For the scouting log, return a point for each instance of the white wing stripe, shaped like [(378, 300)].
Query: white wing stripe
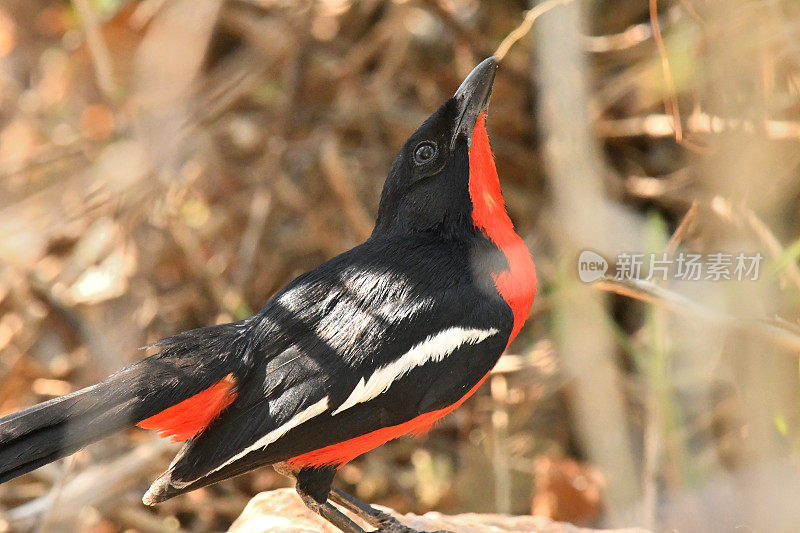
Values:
[(304, 415), (434, 348)]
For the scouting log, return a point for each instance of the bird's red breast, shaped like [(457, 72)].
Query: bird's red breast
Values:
[(517, 284)]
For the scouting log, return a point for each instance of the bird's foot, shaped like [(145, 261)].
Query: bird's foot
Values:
[(394, 526), (397, 527), (384, 522), (389, 524)]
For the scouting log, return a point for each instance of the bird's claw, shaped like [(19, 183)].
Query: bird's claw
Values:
[(390, 524), (398, 529)]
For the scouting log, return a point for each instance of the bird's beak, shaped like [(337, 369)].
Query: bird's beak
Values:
[(472, 98)]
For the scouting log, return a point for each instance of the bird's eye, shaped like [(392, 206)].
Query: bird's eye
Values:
[(424, 152)]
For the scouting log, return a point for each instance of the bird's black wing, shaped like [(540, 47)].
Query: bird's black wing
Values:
[(371, 339)]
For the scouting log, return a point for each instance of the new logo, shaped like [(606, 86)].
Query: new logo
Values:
[(591, 266)]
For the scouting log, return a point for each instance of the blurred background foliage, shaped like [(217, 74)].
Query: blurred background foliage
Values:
[(169, 164)]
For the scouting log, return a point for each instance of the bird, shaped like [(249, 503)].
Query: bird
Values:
[(376, 343)]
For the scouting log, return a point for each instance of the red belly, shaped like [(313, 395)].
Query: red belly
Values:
[(344, 452)]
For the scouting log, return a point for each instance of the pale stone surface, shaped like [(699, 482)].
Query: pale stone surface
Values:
[(281, 511)]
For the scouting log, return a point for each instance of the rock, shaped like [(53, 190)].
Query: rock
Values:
[(281, 511)]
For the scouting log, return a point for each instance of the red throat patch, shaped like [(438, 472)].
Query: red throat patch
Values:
[(187, 419), (517, 284)]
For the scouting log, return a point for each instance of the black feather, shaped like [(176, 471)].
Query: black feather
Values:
[(186, 364)]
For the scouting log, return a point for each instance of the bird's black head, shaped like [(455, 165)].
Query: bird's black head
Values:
[(428, 184)]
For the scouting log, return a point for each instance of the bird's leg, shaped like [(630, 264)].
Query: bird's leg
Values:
[(331, 514), (374, 517), (313, 486)]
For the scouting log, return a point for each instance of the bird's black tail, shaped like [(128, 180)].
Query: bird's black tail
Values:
[(187, 364)]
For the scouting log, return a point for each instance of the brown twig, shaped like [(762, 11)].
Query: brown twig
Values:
[(46, 156), (101, 57), (682, 230), (659, 125), (336, 175), (671, 102), (649, 292), (260, 208), (766, 236), (471, 38), (525, 26)]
